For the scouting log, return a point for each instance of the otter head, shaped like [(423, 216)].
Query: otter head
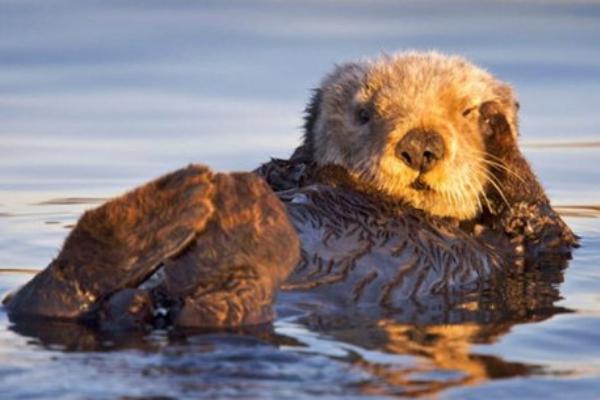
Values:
[(412, 126)]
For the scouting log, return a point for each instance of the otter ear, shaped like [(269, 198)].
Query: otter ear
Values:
[(311, 113)]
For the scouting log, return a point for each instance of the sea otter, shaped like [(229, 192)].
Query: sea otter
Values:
[(424, 142), (409, 183)]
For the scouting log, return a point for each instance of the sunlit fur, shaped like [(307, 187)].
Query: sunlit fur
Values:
[(406, 91)]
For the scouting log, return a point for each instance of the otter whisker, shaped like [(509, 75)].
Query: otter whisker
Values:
[(470, 186), (487, 201), (448, 197), (467, 190), (457, 197), (481, 194), (489, 159), (489, 177), (475, 192), (487, 154), (503, 168), (459, 194), (491, 180)]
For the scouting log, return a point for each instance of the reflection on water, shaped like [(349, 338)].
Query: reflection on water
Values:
[(72, 200), (98, 96), (579, 210), (423, 348), (441, 333), (441, 354), (562, 145)]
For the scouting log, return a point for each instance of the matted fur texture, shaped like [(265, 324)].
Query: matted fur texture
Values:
[(231, 273), (119, 244), (398, 93), (222, 244)]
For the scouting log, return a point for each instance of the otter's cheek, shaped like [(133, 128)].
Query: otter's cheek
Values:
[(395, 177), (362, 156), (394, 165), (439, 177), (331, 146)]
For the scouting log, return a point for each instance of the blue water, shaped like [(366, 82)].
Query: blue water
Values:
[(98, 96)]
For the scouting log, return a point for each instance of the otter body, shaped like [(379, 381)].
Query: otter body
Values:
[(409, 183), (360, 251)]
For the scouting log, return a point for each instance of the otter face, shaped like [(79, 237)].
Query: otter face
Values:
[(410, 126)]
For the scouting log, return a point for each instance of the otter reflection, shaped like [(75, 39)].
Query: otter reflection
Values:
[(446, 359), (439, 332)]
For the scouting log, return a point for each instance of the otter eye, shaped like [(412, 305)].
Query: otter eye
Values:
[(363, 116), (468, 111)]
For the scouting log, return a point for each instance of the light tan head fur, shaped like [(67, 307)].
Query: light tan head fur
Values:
[(397, 93)]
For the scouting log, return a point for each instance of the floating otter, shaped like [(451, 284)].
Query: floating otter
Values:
[(409, 183)]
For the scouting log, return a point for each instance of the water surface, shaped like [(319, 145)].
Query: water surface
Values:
[(98, 96)]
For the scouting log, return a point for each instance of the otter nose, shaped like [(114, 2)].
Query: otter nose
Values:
[(420, 149)]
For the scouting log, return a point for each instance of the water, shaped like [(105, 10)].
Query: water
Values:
[(98, 96)]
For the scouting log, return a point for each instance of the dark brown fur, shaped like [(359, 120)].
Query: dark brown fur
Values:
[(522, 211), (363, 249), (231, 273)]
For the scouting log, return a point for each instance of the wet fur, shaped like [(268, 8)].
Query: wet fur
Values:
[(119, 245), (222, 245)]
